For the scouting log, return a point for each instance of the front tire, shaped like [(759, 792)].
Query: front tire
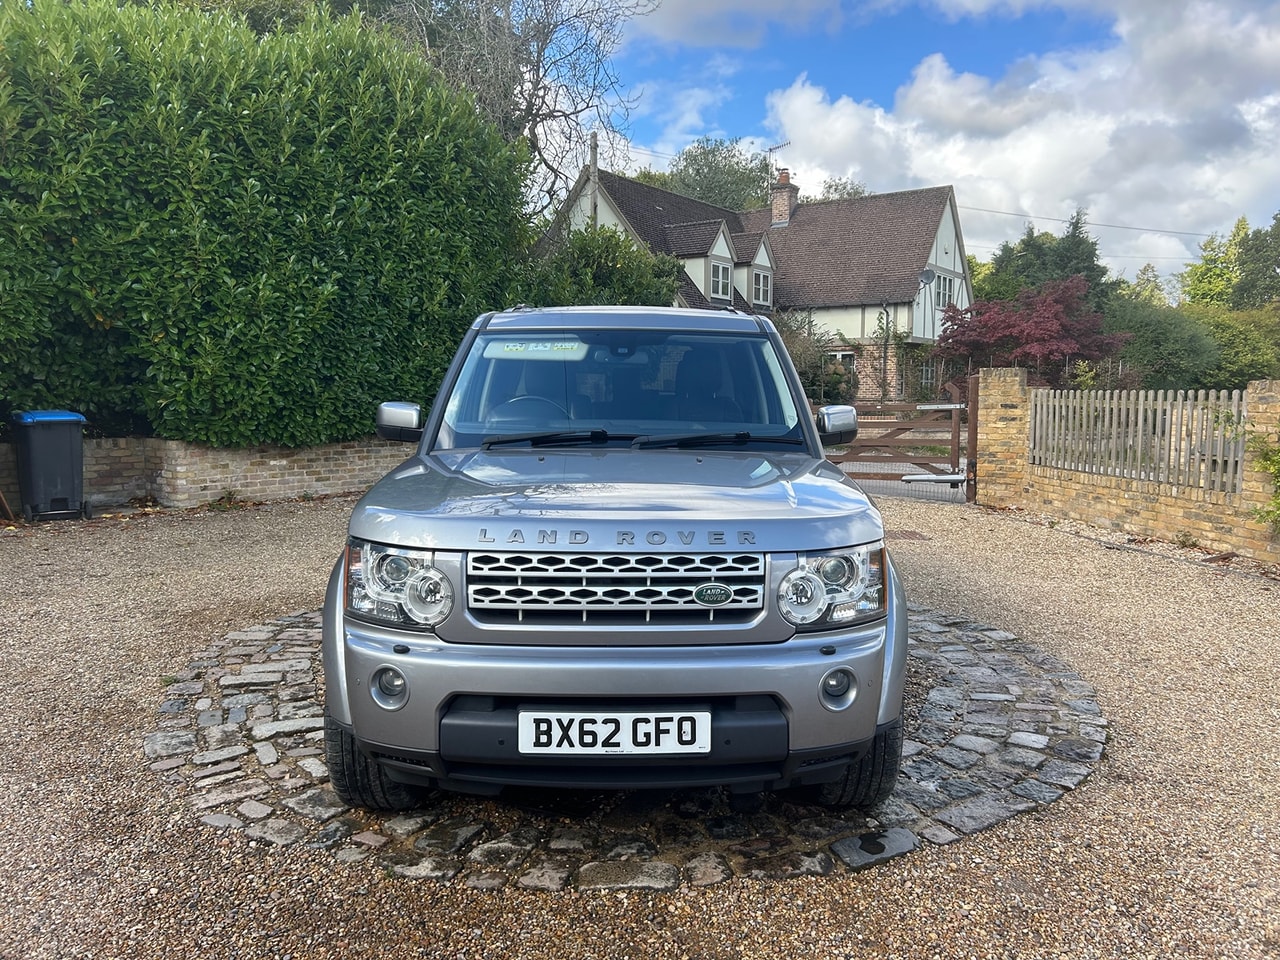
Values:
[(871, 779), (357, 779)]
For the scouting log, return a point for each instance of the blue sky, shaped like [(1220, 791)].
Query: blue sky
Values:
[(1162, 115)]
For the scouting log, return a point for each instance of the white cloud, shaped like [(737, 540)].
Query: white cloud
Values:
[(684, 108), (975, 105), (1176, 126), (1173, 122), (683, 112)]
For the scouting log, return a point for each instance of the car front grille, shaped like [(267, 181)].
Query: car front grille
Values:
[(612, 589)]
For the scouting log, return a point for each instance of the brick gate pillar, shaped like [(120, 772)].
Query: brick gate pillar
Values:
[(1004, 436), (1256, 485)]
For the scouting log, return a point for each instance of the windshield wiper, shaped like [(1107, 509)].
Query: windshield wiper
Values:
[(554, 438), (710, 440)]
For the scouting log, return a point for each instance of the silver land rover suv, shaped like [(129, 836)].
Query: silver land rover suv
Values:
[(617, 559)]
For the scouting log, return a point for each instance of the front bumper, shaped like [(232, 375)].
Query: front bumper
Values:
[(458, 726), (771, 726)]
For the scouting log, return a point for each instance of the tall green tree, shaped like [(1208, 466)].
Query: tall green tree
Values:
[(726, 174), (1014, 267), (1259, 263), (1074, 253), (719, 171), (1040, 257), (602, 265), (837, 188), (979, 273), (1213, 279), (654, 178), (1147, 287)]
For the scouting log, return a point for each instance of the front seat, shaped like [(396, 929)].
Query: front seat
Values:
[(544, 390), (699, 386)]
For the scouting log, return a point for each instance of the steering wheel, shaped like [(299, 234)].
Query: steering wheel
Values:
[(527, 409)]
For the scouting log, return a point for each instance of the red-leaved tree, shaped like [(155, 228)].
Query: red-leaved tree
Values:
[(1046, 330)]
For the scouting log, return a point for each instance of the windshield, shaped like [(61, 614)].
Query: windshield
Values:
[(619, 386)]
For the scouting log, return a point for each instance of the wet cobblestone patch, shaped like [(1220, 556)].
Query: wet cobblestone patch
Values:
[(995, 727)]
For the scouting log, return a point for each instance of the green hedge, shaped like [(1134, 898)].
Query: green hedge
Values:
[(236, 239)]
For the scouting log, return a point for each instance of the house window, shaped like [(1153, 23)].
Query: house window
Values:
[(928, 378), (721, 281), (946, 294), (761, 291)]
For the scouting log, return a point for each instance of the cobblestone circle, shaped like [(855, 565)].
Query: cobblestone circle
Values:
[(995, 728)]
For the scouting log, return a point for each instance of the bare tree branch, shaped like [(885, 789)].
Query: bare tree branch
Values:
[(539, 69)]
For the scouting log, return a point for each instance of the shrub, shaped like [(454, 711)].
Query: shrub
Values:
[(237, 239)]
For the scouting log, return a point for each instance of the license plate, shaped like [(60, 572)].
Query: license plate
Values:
[(587, 734)]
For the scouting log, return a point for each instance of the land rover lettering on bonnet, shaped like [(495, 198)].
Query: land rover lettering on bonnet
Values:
[(655, 538), (616, 558)]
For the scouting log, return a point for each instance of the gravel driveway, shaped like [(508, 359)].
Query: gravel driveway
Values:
[(1171, 849)]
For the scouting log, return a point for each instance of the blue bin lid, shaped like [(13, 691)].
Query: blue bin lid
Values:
[(48, 416)]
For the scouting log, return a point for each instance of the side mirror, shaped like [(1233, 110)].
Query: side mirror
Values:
[(837, 423), (400, 421)]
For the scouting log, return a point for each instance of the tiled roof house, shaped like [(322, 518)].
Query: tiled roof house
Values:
[(848, 262)]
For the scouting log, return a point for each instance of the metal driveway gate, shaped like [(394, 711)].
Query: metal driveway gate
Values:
[(917, 442)]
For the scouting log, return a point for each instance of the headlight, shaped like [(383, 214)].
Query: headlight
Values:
[(400, 587), (827, 590)]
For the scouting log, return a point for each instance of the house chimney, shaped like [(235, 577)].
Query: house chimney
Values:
[(783, 196)]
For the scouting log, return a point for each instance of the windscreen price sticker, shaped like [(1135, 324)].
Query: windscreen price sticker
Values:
[(584, 734), (558, 349)]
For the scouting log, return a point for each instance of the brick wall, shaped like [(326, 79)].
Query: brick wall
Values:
[(175, 474), (1218, 521), (117, 469), (189, 475)]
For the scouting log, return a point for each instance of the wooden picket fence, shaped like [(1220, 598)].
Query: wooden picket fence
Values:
[(1178, 438)]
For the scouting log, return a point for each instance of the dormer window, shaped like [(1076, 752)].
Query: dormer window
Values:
[(721, 281), (761, 288)]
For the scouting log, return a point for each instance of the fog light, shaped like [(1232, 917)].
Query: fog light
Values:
[(836, 683), (838, 688), (390, 689), (391, 682)]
